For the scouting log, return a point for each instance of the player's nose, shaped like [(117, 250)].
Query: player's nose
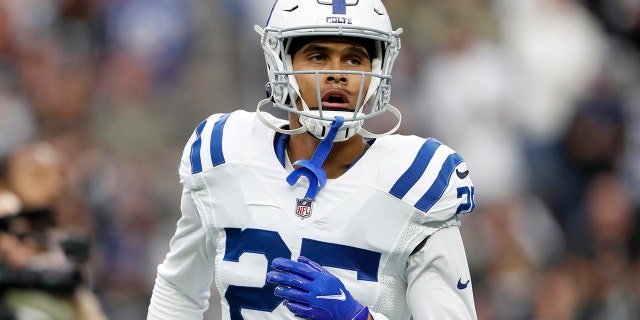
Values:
[(337, 78), (335, 64)]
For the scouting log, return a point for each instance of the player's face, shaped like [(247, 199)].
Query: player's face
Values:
[(337, 91)]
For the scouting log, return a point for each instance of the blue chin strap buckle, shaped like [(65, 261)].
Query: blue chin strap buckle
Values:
[(312, 168)]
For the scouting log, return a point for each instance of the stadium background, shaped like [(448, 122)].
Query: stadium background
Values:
[(541, 97)]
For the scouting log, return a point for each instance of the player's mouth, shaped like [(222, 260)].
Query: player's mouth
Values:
[(336, 100)]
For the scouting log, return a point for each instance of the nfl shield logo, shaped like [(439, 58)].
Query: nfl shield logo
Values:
[(303, 207)]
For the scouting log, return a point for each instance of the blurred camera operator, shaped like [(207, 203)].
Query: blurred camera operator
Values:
[(40, 267)]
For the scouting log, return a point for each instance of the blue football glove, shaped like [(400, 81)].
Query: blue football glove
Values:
[(312, 292)]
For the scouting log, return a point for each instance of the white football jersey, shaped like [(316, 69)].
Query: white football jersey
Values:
[(239, 213)]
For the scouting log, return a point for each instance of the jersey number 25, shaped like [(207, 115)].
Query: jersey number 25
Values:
[(270, 244)]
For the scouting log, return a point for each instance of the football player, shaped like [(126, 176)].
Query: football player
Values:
[(315, 216)]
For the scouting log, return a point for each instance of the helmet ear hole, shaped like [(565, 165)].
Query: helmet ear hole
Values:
[(269, 91)]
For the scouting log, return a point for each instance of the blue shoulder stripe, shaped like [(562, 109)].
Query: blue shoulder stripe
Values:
[(416, 169), (440, 184), (217, 156), (196, 163)]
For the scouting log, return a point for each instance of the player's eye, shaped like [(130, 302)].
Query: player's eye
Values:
[(316, 58), (353, 61)]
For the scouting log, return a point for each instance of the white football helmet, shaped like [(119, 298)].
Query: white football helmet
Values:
[(366, 19)]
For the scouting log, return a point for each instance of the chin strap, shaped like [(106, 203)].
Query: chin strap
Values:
[(312, 168), (266, 122), (393, 110)]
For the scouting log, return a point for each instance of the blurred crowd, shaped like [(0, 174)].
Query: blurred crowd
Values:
[(541, 97)]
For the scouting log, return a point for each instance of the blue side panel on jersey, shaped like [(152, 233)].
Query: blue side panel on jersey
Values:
[(339, 6), (415, 170), (196, 164), (440, 184), (217, 156)]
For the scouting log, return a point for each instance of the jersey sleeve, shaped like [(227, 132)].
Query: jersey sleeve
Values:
[(182, 286), (432, 178), (197, 152), (439, 283), (184, 278), (457, 195)]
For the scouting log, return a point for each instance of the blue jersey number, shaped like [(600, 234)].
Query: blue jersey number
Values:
[(269, 243), (469, 194)]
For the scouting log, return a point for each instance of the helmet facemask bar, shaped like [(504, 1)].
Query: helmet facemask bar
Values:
[(358, 113)]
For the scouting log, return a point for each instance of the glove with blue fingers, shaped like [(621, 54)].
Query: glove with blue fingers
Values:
[(311, 292)]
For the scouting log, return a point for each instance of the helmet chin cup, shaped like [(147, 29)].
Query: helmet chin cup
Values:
[(320, 128)]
